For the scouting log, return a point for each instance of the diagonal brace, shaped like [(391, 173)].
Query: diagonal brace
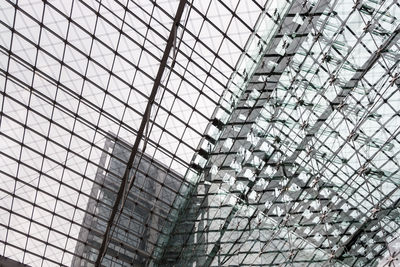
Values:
[(124, 188)]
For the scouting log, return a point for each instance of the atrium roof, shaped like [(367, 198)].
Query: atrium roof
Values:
[(282, 117)]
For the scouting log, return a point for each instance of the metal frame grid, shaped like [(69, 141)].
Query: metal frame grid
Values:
[(282, 117), (302, 167), (73, 71)]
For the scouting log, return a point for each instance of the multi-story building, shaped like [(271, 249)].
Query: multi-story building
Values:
[(143, 216)]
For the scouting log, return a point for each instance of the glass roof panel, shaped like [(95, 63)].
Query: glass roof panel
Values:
[(203, 133)]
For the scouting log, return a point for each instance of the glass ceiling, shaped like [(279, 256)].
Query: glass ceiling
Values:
[(282, 117)]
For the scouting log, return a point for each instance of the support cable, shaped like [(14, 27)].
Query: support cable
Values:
[(124, 188)]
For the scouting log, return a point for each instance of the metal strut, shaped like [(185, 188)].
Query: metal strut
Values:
[(124, 183)]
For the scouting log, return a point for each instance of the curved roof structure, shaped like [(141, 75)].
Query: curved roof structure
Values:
[(238, 133)]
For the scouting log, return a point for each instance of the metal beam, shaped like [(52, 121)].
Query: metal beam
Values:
[(124, 188)]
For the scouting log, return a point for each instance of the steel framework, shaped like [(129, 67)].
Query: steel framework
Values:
[(281, 117)]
